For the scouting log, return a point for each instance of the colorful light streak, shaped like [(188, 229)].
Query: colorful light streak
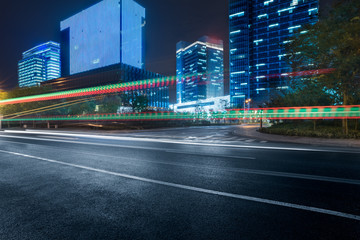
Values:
[(133, 86), (329, 112), (51, 107), (301, 73), (121, 87)]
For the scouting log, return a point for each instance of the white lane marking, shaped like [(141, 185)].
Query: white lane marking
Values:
[(126, 146), (240, 170), (206, 138), (210, 155), (296, 176), (83, 143), (197, 189), (119, 146), (64, 138), (173, 141)]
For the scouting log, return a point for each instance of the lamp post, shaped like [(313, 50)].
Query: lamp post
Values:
[(2, 96), (247, 101)]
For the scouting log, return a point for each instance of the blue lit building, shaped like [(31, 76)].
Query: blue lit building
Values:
[(107, 33), (259, 30), (199, 70), (39, 64)]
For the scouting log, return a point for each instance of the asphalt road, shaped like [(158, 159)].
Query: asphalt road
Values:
[(193, 183)]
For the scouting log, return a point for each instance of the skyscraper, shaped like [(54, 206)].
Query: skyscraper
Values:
[(259, 31), (109, 32), (199, 70), (39, 64)]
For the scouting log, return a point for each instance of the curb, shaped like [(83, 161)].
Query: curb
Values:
[(254, 133)]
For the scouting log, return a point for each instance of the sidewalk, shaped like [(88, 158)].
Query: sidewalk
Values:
[(251, 131)]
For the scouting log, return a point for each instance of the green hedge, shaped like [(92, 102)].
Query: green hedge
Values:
[(324, 129)]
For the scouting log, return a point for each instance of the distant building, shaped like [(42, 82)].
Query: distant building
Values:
[(259, 30), (118, 73), (206, 105), (39, 64), (199, 70), (109, 32)]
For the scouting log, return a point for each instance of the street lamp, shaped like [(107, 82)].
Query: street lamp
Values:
[(2, 96), (247, 101)]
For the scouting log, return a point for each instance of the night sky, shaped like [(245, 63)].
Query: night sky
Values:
[(25, 24)]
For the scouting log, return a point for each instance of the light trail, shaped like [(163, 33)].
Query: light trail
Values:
[(137, 85), (292, 113), (301, 73), (51, 107), (329, 112), (121, 87)]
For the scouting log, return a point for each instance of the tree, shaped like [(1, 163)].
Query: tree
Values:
[(13, 109), (82, 107), (110, 103), (138, 102), (38, 108), (301, 93), (2, 96), (332, 43)]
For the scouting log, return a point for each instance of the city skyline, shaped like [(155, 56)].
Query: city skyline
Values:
[(161, 17)]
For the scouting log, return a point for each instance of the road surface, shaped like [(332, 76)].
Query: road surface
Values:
[(184, 183)]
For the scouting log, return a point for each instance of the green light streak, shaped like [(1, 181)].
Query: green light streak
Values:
[(286, 113), (90, 90)]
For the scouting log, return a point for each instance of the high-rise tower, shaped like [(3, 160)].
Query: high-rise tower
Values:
[(199, 70), (259, 31), (39, 64)]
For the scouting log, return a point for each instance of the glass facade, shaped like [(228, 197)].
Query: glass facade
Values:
[(259, 30), (109, 32), (39, 64), (199, 70)]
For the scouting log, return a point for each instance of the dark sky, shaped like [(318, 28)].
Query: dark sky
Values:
[(27, 23)]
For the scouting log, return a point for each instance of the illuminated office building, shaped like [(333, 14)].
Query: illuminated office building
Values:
[(199, 70), (259, 30), (107, 33), (39, 64)]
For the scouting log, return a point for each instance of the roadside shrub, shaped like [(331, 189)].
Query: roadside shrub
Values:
[(324, 129)]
